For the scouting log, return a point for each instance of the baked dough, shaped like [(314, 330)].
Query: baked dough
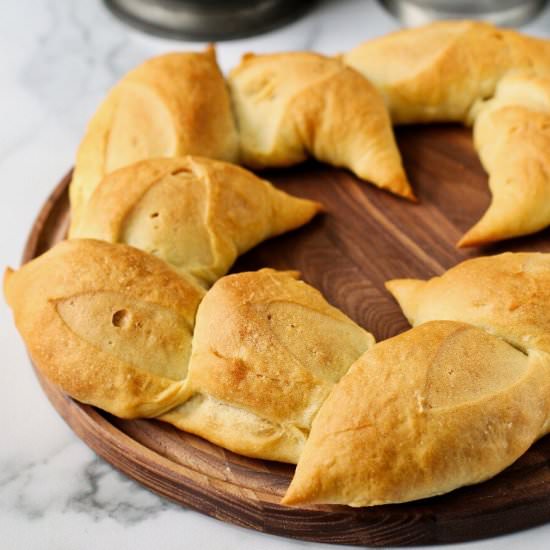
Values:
[(267, 350), (196, 214), (292, 105), (171, 105), (507, 295), (475, 73), (442, 71), (435, 408), (262, 365), (512, 136), (108, 323)]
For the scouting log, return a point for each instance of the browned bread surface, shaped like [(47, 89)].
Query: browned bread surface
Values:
[(292, 105), (195, 213), (440, 406), (172, 105), (475, 73), (507, 295), (267, 350), (108, 323)]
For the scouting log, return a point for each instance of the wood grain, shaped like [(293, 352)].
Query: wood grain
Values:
[(366, 237)]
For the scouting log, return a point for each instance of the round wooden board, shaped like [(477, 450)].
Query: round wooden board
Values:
[(366, 237)]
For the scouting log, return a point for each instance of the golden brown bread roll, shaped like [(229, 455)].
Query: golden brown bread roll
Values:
[(512, 136), (196, 214), (108, 323), (441, 71), (267, 350), (435, 72), (475, 73), (292, 105), (171, 105), (440, 406), (507, 295)]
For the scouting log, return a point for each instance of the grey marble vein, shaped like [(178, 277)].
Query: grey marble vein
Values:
[(75, 480)]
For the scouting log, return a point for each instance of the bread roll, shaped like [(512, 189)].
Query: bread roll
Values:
[(293, 105), (267, 350), (507, 295), (435, 408), (196, 214), (475, 73), (441, 71), (108, 323), (171, 105), (512, 135)]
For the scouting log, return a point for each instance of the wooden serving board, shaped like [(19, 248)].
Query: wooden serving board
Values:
[(366, 237)]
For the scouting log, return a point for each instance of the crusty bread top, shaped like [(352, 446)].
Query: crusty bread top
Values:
[(171, 105), (195, 213), (512, 136), (475, 73), (271, 347), (291, 105), (508, 295), (108, 323), (437, 407), (439, 72)]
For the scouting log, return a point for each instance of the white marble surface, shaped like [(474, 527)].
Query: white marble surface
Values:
[(57, 59)]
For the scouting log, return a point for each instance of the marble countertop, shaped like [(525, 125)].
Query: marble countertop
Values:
[(57, 60)]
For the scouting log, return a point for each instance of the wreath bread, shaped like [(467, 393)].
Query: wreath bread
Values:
[(135, 315)]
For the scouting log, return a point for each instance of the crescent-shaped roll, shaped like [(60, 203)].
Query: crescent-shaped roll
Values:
[(475, 73), (512, 136), (108, 323), (267, 349), (172, 105), (507, 295), (441, 71), (495, 79), (292, 105), (438, 407), (196, 214)]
